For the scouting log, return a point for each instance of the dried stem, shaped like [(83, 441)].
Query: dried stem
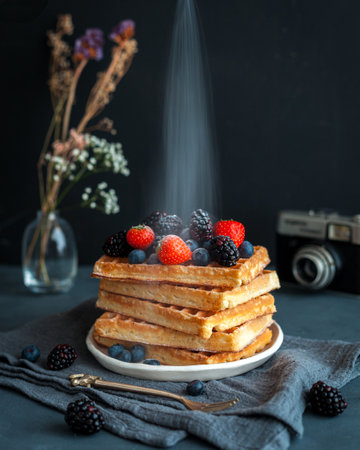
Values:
[(71, 98)]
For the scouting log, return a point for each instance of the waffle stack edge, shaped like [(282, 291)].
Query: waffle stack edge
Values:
[(187, 314)]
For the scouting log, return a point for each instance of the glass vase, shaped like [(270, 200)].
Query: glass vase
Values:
[(49, 254)]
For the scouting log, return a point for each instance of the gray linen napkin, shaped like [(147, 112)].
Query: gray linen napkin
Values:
[(272, 397)]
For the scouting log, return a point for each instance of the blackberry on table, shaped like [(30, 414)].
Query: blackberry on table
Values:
[(223, 250), (201, 226), (326, 400), (116, 245), (172, 224), (83, 416), (153, 219), (61, 357)]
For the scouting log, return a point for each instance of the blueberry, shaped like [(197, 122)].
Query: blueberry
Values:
[(246, 250), (201, 257), (114, 350), (206, 244), (153, 259), (124, 356), (195, 387), (137, 353), (151, 362), (136, 257), (193, 245), (185, 234), (31, 353)]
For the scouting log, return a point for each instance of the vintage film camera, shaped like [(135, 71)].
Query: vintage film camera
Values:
[(319, 250)]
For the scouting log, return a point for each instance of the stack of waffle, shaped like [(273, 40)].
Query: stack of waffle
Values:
[(186, 314)]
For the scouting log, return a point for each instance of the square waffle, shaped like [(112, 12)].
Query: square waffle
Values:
[(117, 326), (187, 320), (181, 357), (199, 297), (215, 275)]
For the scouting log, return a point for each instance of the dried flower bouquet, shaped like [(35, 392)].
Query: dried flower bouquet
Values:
[(71, 154)]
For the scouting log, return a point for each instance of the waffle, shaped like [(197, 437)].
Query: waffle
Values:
[(212, 275), (187, 320), (181, 357), (117, 326), (210, 299)]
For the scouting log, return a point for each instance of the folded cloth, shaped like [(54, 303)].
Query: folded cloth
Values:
[(269, 412)]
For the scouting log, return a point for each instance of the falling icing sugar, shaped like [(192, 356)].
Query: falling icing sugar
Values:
[(188, 142)]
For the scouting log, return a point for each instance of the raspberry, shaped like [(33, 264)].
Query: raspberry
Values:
[(224, 251), (326, 400), (116, 245), (61, 356), (83, 416), (201, 226)]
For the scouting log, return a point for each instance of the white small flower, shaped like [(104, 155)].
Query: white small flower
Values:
[(93, 205), (71, 177), (88, 190), (85, 197), (72, 166), (92, 160), (90, 167), (76, 152), (56, 177), (102, 185)]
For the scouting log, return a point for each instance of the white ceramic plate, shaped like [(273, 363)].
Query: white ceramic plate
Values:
[(202, 372)]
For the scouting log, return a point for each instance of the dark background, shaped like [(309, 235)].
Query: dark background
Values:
[(285, 80)]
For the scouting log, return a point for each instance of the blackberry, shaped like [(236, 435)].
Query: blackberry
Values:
[(201, 226), (83, 416), (61, 357), (116, 245), (326, 400), (153, 219), (153, 246), (169, 225), (224, 251)]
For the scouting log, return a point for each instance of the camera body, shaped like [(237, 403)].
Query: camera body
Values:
[(319, 250)]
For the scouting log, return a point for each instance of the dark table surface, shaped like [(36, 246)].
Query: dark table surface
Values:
[(25, 424)]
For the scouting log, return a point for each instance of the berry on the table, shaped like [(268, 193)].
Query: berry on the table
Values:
[(124, 356), (195, 387), (61, 357), (172, 224), (137, 353), (83, 416), (136, 257), (152, 362), (201, 257), (326, 400), (193, 245), (153, 219), (153, 259), (235, 230), (246, 250), (116, 245), (185, 234), (201, 225), (31, 353), (140, 237), (224, 251), (173, 250), (115, 349)]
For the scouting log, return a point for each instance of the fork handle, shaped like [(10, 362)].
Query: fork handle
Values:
[(138, 389)]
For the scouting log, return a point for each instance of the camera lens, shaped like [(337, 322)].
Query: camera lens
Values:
[(313, 266)]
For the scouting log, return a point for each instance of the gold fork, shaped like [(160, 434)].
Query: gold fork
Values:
[(81, 379)]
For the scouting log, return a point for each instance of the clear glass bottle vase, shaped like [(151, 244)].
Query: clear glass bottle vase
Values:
[(49, 254)]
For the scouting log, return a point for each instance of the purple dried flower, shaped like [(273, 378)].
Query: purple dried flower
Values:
[(123, 31), (89, 46)]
